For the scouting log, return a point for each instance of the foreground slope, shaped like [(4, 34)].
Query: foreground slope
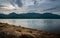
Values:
[(12, 31)]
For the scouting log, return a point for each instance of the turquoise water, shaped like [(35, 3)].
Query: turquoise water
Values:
[(50, 25)]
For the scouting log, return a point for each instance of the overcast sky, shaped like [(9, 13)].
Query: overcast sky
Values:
[(24, 6)]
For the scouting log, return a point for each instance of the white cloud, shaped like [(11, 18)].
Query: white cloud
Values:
[(6, 6), (34, 5), (47, 6)]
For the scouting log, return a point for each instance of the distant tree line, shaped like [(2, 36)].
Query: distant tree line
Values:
[(30, 16)]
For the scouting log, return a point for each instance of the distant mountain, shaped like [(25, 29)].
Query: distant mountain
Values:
[(31, 16)]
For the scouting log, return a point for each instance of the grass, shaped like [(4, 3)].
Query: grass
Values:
[(12, 31)]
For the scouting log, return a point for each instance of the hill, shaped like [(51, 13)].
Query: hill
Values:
[(30, 16), (12, 31)]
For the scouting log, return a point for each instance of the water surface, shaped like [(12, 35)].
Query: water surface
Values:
[(50, 25)]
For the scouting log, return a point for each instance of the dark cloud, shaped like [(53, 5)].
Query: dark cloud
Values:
[(52, 0), (16, 2), (39, 5), (19, 3), (2, 5), (54, 8)]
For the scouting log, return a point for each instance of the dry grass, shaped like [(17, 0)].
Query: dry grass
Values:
[(12, 31)]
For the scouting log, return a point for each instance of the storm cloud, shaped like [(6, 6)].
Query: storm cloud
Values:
[(39, 6)]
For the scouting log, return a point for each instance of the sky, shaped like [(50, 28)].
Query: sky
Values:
[(25, 6)]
